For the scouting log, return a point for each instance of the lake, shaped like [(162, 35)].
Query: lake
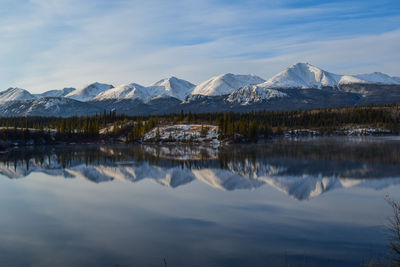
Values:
[(306, 202)]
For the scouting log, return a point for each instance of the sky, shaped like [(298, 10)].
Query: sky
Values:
[(52, 44)]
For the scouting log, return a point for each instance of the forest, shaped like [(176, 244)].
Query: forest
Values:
[(239, 127)]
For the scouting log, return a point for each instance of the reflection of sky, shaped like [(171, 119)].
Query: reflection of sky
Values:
[(49, 221)]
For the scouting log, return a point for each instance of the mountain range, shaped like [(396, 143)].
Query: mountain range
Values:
[(300, 86), (299, 178)]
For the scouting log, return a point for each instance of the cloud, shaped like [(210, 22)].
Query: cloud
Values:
[(71, 43)]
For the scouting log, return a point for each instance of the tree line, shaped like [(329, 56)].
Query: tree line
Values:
[(236, 126)]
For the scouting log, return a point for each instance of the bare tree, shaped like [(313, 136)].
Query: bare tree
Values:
[(394, 231)]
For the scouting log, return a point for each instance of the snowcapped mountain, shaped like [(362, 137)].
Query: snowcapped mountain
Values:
[(288, 90), (14, 94), (169, 87), (48, 106), (127, 91), (56, 93), (254, 94), (304, 75), (174, 87), (225, 84), (378, 77), (89, 92)]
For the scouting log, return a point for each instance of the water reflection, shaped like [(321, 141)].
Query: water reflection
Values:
[(301, 169), (87, 220)]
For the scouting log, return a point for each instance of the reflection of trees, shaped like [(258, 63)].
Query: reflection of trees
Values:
[(329, 157), (300, 169), (108, 155), (338, 150)]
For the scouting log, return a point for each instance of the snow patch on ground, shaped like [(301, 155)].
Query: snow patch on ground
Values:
[(183, 133)]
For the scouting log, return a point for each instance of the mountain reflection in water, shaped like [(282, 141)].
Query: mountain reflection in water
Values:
[(301, 169)]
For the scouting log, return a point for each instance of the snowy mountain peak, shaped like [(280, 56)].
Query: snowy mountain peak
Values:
[(302, 65), (173, 87), (15, 93), (56, 93), (234, 89), (225, 84), (126, 91), (170, 87), (303, 75), (89, 92), (378, 77)]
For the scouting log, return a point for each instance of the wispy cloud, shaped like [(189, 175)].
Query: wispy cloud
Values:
[(49, 44)]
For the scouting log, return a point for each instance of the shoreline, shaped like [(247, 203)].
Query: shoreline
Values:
[(222, 143)]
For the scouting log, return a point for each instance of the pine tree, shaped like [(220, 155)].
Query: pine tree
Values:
[(158, 133), (203, 131)]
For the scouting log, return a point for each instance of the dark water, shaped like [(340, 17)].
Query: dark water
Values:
[(288, 203)]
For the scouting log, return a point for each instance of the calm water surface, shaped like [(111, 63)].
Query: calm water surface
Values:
[(299, 203)]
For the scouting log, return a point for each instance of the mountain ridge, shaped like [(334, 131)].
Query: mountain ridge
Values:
[(300, 86), (225, 84), (90, 91)]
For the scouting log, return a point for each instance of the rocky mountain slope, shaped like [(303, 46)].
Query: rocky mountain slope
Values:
[(15, 94), (56, 93), (300, 86)]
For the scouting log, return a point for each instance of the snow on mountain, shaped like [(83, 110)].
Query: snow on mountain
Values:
[(225, 84), (48, 106), (174, 87), (127, 91), (13, 94), (253, 94), (378, 77), (347, 79), (56, 93), (89, 92), (48, 102), (229, 88), (304, 75)]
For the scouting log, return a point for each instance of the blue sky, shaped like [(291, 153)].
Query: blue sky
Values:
[(50, 44)]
